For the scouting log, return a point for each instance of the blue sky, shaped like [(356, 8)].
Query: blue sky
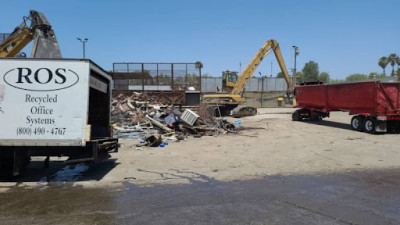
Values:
[(342, 36)]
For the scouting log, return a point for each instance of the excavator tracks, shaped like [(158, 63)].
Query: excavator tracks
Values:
[(243, 111), (232, 110)]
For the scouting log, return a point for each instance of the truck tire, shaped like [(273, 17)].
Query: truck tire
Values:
[(369, 125), (357, 123), (296, 115), (316, 117)]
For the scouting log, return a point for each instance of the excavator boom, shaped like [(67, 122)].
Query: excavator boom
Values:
[(228, 102), (270, 45)]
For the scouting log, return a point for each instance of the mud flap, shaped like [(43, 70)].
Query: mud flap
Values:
[(381, 126)]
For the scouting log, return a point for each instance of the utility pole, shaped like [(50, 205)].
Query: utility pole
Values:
[(271, 68), (296, 52), (83, 45)]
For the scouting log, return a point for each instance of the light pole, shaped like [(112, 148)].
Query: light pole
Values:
[(271, 68), (296, 52), (83, 44)]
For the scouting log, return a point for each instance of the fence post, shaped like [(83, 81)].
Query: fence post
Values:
[(200, 78), (142, 77), (186, 77), (262, 91), (158, 84), (172, 76), (128, 80)]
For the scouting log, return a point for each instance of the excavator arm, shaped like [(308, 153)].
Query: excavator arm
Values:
[(17, 40), (269, 46), (233, 103), (45, 43)]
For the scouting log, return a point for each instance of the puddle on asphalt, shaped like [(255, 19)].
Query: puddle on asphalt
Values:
[(67, 174), (371, 197)]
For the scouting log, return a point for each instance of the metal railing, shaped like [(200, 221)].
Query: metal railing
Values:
[(157, 76)]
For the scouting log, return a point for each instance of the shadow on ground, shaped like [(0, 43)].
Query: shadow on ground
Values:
[(333, 124), (345, 126), (60, 172), (363, 197)]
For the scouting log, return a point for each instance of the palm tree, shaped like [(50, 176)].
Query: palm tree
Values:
[(398, 67), (393, 59), (198, 65), (383, 63)]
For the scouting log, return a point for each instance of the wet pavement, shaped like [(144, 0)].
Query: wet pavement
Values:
[(364, 197)]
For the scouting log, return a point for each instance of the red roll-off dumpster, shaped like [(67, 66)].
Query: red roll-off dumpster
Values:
[(374, 104)]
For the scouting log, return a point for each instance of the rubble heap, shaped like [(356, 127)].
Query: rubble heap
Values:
[(155, 120)]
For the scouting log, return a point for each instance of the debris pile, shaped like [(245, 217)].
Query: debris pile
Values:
[(143, 117)]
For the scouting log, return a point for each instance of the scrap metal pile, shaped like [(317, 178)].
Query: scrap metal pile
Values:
[(143, 116)]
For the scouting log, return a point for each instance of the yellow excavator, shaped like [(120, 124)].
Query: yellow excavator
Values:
[(45, 43), (232, 102)]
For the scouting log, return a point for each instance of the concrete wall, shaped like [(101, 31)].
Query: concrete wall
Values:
[(211, 84), (264, 99), (259, 92)]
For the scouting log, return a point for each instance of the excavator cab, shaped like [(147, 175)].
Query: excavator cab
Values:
[(229, 79)]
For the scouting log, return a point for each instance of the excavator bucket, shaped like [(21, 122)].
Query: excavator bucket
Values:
[(45, 43)]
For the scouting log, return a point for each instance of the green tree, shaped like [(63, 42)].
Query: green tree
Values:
[(383, 61), (374, 75), (393, 59), (335, 81), (280, 75), (299, 77), (206, 75), (164, 79), (356, 77), (324, 77), (198, 65), (310, 71), (398, 72), (192, 79)]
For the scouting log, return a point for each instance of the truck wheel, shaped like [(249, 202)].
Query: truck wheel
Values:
[(316, 117), (369, 125), (296, 115), (357, 123)]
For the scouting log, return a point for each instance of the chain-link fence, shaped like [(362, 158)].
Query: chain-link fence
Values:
[(265, 84), (157, 76)]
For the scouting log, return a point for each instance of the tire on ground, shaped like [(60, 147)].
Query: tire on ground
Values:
[(296, 115), (357, 123), (316, 117), (369, 125)]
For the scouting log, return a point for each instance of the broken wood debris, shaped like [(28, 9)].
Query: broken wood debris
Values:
[(136, 112)]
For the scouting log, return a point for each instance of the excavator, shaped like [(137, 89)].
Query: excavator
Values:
[(45, 44), (232, 102)]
